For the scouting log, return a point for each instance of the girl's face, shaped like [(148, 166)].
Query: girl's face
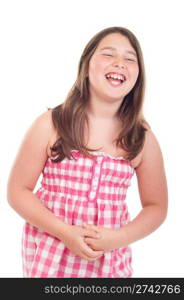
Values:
[(113, 68)]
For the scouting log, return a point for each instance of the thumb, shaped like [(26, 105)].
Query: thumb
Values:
[(91, 233)]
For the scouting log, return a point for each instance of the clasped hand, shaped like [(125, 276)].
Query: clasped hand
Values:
[(108, 240), (90, 241)]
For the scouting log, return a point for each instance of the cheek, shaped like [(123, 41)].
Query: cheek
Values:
[(134, 73), (97, 67)]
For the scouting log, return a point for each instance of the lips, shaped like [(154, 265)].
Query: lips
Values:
[(115, 79), (113, 76)]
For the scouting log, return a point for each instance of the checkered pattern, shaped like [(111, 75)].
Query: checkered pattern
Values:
[(80, 190)]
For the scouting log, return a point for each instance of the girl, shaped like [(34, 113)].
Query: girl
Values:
[(88, 148)]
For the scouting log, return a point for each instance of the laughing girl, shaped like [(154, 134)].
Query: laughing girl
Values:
[(87, 149)]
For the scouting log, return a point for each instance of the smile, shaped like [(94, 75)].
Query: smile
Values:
[(115, 79)]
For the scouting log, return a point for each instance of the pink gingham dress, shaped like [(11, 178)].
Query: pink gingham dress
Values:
[(80, 190)]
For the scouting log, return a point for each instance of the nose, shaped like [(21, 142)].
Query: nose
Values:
[(119, 62)]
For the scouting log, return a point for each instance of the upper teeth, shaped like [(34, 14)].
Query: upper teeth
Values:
[(116, 76)]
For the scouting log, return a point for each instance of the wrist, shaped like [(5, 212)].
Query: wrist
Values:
[(61, 229), (122, 237)]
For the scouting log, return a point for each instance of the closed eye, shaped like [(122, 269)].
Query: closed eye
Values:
[(130, 59), (107, 54)]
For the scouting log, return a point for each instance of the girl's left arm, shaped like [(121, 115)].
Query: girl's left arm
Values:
[(153, 193)]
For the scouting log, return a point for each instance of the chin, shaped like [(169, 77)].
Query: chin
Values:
[(111, 98)]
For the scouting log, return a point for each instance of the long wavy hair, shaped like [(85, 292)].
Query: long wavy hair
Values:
[(70, 118)]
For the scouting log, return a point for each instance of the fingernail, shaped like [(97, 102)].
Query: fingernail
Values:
[(98, 235)]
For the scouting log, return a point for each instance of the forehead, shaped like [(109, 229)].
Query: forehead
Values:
[(115, 40)]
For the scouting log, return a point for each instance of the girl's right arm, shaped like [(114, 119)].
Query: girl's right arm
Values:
[(24, 174)]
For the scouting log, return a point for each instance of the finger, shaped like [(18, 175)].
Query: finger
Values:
[(90, 258), (94, 257), (91, 226), (88, 241), (92, 245), (87, 226), (92, 234), (91, 253)]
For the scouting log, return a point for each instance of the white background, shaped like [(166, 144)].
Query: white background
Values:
[(41, 43)]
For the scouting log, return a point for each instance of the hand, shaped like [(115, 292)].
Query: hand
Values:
[(110, 238), (74, 239)]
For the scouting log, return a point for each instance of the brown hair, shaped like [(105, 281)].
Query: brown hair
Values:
[(70, 118)]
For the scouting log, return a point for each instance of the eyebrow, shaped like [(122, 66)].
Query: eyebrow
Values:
[(114, 49)]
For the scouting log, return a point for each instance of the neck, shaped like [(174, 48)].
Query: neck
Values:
[(103, 109)]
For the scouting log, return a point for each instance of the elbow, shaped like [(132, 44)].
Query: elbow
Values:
[(162, 210), (165, 209), (10, 192), (16, 193), (163, 216), (13, 193), (163, 213), (157, 213)]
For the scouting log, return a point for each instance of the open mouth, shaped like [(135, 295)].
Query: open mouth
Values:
[(115, 79)]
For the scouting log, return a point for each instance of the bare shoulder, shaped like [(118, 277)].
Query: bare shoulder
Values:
[(38, 136), (44, 121), (53, 135), (32, 154), (44, 124), (151, 154), (151, 148)]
